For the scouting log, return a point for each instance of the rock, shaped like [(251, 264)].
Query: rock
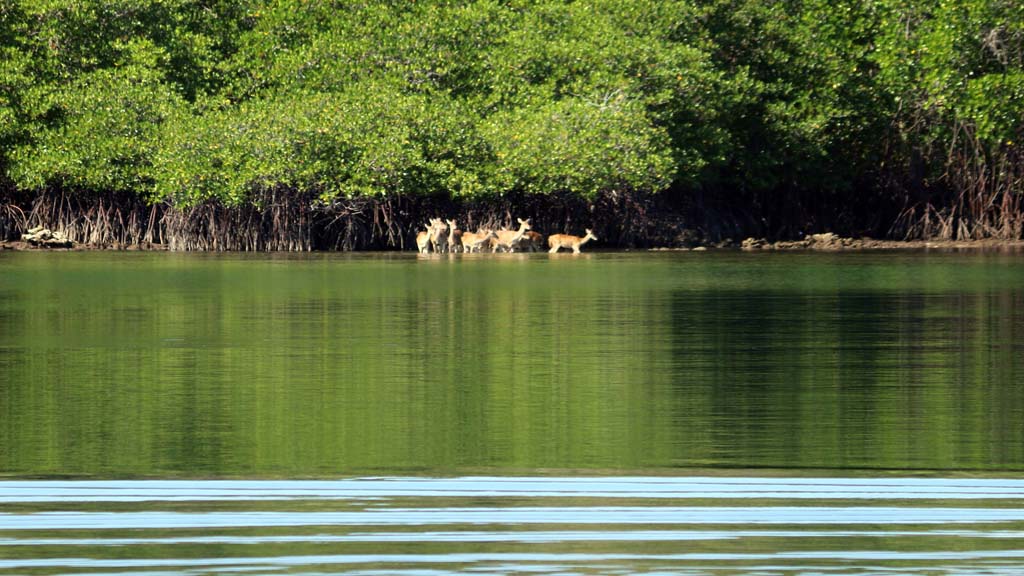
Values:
[(754, 244), (792, 244), (46, 238), (700, 249), (826, 241), (687, 238)]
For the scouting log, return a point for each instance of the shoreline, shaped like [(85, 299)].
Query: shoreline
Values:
[(815, 243), (391, 224), (830, 242)]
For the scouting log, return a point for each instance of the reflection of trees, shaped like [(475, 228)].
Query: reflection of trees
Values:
[(857, 379), (335, 367)]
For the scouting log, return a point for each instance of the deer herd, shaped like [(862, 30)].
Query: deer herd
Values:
[(444, 236)]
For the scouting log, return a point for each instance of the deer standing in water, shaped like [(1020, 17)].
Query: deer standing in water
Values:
[(423, 238), (477, 241), (438, 238), (532, 241), (556, 241), (454, 237), (508, 239)]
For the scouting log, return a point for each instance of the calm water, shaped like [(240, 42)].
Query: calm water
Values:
[(606, 413)]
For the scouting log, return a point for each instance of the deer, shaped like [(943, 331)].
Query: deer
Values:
[(507, 239), (423, 238), (454, 237), (475, 241), (556, 241), (438, 238), (532, 241)]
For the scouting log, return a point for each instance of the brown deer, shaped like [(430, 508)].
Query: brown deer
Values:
[(532, 241), (509, 239), (423, 238), (454, 237), (438, 237), (477, 241), (556, 241)]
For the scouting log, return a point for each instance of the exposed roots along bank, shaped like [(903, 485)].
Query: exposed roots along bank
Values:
[(988, 205), (290, 223), (12, 220), (982, 199)]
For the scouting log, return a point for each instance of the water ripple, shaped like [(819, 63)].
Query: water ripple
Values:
[(422, 526), (363, 489)]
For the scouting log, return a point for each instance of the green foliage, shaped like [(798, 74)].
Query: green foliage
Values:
[(580, 146), (105, 135), (71, 37), (15, 80), (198, 100), (801, 105), (994, 105), (370, 140), (953, 63)]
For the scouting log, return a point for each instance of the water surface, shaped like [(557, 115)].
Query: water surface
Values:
[(713, 412), (540, 525)]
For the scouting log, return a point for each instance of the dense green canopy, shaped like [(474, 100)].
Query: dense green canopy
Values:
[(762, 104)]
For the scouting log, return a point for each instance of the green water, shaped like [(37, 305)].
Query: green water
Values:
[(696, 413), (168, 365)]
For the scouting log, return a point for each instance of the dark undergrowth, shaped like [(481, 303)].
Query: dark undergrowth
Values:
[(985, 208), (292, 223)]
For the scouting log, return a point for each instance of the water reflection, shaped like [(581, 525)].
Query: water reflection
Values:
[(853, 379), (564, 414), (156, 364)]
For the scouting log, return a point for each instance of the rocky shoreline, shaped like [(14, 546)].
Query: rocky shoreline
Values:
[(838, 244), (23, 245), (829, 242), (832, 242)]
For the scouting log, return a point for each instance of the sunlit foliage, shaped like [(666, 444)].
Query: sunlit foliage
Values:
[(756, 103)]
